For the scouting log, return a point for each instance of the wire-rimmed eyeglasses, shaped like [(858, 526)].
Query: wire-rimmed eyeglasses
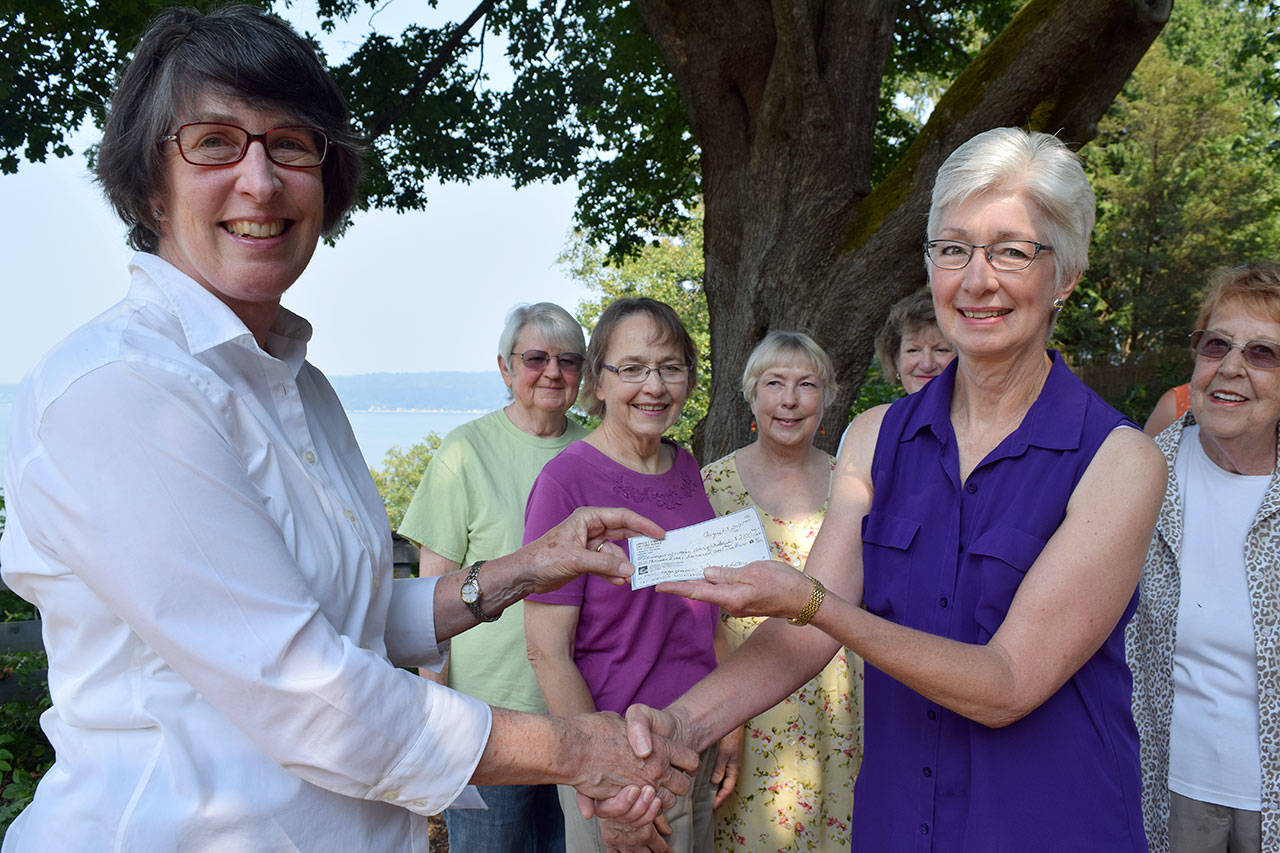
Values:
[(212, 143), (670, 372), (1003, 255)]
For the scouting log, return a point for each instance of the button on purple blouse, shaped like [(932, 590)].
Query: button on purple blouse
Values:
[(947, 557)]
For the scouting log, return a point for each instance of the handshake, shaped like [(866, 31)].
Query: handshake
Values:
[(635, 770)]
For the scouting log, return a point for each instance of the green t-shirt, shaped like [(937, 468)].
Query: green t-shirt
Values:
[(470, 506)]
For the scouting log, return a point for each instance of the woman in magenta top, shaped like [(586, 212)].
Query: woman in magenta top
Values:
[(595, 646), (993, 525)]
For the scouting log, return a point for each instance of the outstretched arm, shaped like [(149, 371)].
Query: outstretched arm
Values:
[(563, 553), (1068, 603)]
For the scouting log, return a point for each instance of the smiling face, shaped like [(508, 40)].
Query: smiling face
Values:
[(644, 409), (922, 355), (550, 390), (244, 232), (788, 403), (986, 313), (1236, 404)]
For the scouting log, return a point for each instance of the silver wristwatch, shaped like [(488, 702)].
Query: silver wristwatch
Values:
[(470, 593)]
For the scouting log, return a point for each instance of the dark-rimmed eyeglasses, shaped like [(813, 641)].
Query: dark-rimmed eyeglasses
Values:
[(1004, 255), (1214, 346), (537, 360), (670, 373), (212, 143)]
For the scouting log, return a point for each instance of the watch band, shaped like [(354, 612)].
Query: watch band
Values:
[(473, 580), (811, 607)]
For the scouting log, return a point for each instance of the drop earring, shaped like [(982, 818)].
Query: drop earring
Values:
[(753, 427)]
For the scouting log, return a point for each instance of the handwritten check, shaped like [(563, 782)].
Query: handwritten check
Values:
[(730, 540)]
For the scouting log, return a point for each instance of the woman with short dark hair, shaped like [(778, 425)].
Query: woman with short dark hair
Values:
[(188, 509)]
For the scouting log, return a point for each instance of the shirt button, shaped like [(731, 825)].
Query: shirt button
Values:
[(942, 602), (971, 488), (933, 715), (924, 829), (351, 516), (391, 796), (310, 456), (928, 773)]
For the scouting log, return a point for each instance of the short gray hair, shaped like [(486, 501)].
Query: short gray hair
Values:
[(547, 318), (1040, 165), (780, 348)]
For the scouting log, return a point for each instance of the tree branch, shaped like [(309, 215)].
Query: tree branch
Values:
[(433, 68)]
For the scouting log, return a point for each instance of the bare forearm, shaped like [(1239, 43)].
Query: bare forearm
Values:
[(563, 687), (976, 681), (775, 660)]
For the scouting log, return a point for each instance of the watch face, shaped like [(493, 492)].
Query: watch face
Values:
[(470, 592)]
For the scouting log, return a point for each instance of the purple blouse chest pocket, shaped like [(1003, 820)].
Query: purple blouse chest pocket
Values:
[(886, 563), (992, 569)]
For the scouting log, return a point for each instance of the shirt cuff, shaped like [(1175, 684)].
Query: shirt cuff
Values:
[(411, 624), (440, 763)]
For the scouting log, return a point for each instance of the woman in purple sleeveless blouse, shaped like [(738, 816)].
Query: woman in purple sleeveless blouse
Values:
[(981, 552)]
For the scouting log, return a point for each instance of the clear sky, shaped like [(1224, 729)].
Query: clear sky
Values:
[(399, 292)]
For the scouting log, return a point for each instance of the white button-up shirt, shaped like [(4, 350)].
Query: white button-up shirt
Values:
[(212, 563)]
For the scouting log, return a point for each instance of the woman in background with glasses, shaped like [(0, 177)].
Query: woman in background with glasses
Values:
[(1203, 644), (982, 548), (598, 647), (470, 506)]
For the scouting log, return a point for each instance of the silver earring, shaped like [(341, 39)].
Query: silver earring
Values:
[(1058, 303), (159, 214)]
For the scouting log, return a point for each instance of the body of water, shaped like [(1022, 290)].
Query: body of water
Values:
[(377, 432)]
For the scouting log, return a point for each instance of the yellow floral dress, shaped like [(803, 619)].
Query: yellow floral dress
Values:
[(795, 791)]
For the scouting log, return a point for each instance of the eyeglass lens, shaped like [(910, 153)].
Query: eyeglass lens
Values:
[(216, 144), (536, 359), (1261, 354), (1006, 255), (635, 372)]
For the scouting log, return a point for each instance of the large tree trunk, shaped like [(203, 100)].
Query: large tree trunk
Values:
[(782, 100)]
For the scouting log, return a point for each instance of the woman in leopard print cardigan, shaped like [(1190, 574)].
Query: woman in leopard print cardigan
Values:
[(1203, 645)]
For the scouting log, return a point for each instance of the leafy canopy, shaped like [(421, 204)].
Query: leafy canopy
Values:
[(587, 96)]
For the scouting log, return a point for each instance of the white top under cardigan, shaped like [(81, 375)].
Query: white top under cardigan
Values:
[(212, 562), (1213, 738)]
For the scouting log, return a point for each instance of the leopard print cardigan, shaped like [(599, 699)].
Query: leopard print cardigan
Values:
[(1149, 641)]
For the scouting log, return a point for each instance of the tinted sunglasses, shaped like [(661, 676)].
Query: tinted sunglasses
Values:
[(536, 359), (1215, 346)]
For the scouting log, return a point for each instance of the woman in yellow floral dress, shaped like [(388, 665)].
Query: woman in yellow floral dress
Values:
[(795, 787)]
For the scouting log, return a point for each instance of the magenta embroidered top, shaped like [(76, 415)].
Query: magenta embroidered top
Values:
[(640, 646)]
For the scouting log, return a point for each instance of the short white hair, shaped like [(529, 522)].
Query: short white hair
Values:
[(1040, 165), (553, 322)]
